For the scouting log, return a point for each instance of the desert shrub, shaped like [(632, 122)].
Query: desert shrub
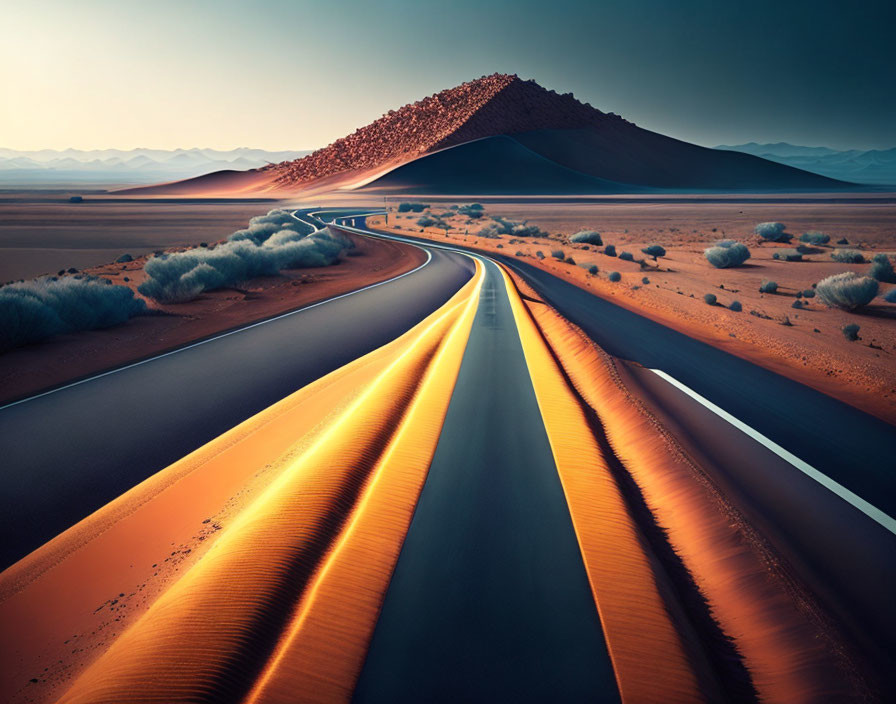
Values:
[(788, 255), (412, 207), (851, 332), (500, 246), (570, 260), (809, 293), (847, 256), (519, 254), (815, 238), (797, 304), (610, 250), (539, 254), (843, 240), (430, 221), (262, 227), (645, 280), (34, 310), (890, 296), (772, 231), (586, 237), (471, 210), (615, 276), (768, 287), (710, 299), (847, 290), (557, 254), (726, 254), (654, 250), (626, 256), (185, 275), (882, 269), (501, 226), (736, 306), (124, 258), (72, 270), (592, 270)]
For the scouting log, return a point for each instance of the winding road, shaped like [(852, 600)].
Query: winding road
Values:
[(489, 598)]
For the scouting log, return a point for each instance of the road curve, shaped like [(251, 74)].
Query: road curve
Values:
[(848, 559), (68, 452)]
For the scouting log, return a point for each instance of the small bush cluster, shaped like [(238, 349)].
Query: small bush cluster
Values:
[(847, 290), (539, 254), (847, 256), (815, 238), (736, 306), (586, 237), (772, 231), (882, 269), (593, 270), (788, 255), (471, 210), (610, 250), (124, 258), (557, 254), (434, 220), (412, 207), (851, 332), (271, 242), (615, 276), (501, 226), (890, 296), (626, 256), (35, 310), (710, 299), (645, 280), (768, 287), (262, 227), (654, 250), (726, 253)]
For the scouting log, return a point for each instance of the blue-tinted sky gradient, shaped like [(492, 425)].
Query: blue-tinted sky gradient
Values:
[(296, 75)]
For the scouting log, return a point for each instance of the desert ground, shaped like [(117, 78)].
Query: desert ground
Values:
[(42, 233), (169, 227), (806, 344)]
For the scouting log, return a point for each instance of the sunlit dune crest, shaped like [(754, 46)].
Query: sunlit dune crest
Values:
[(216, 629), (648, 655), (49, 599), (212, 630), (789, 650)]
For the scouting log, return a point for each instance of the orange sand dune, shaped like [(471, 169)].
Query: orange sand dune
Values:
[(62, 606), (790, 652), (332, 522), (649, 657)]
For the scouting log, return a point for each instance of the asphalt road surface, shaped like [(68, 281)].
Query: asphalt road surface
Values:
[(489, 601), (69, 452)]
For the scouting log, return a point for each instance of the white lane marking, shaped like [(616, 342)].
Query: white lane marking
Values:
[(218, 337), (858, 502)]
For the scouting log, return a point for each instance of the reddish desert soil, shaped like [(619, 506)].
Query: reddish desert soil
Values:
[(30, 369), (43, 233), (812, 349)]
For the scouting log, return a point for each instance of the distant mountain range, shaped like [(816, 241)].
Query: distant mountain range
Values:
[(125, 167), (872, 166)]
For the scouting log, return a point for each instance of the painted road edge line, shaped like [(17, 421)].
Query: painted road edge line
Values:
[(856, 501), (217, 337)]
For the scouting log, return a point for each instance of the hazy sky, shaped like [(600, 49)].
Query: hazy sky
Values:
[(295, 75)]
